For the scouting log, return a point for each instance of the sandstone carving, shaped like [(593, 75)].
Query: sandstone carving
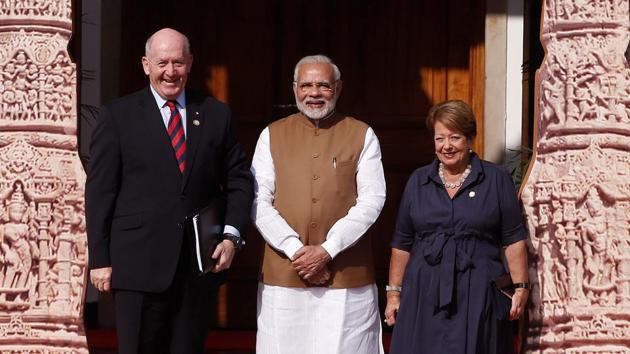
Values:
[(577, 195), (33, 10), (37, 81), (43, 254)]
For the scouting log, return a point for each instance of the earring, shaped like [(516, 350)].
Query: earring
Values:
[(470, 150)]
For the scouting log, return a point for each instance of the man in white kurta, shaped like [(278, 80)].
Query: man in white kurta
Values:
[(319, 187)]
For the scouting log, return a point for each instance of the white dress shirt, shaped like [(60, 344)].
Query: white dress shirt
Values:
[(347, 230), (166, 116), (166, 111)]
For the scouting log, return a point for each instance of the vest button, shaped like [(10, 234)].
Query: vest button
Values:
[(316, 132), (313, 225), (314, 200), (315, 177), (315, 155)]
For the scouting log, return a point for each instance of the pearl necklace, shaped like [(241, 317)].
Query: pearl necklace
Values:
[(456, 184)]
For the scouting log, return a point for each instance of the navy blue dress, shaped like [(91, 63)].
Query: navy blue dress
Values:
[(455, 252)]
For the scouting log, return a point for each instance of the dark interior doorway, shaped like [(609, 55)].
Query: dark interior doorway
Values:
[(397, 58)]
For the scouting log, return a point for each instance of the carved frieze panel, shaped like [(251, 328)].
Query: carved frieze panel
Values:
[(57, 12), (577, 195), (43, 244), (38, 82)]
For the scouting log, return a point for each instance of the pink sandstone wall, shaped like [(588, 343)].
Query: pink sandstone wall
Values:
[(577, 196), (42, 224)]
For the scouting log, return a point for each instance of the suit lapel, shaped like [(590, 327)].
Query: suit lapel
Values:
[(157, 135), (194, 125)]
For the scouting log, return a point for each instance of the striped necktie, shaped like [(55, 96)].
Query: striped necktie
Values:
[(176, 133)]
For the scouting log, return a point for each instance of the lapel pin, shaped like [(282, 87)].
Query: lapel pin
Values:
[(471, 194), (196, 122)]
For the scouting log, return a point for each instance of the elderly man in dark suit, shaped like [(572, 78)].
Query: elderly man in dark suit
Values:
[(157, 156)]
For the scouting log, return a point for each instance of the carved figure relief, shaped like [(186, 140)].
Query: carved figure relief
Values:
[(37, 87), (577, 195), (43, 254)]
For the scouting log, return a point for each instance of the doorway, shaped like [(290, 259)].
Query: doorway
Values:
[(397, 58)]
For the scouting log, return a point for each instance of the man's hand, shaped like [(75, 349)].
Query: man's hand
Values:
[(319, 278), (223, 254), (309, 260), (101, 278)]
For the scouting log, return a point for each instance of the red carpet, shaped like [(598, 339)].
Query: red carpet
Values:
[(217, 339)]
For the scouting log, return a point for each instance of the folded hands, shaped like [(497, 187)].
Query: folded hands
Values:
[(310, 262)]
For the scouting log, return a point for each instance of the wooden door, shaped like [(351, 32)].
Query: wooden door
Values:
[(397, 58)]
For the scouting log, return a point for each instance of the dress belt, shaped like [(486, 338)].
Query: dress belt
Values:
[(445, 249)]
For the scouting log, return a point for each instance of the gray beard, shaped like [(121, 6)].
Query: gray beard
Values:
[(316, 114)]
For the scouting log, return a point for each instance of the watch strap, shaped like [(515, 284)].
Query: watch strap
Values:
[(397, 288), (238, 241)]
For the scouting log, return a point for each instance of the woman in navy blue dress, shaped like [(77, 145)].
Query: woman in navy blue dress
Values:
[(456, 218)]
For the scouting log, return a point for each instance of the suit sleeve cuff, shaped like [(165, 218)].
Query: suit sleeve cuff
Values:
[(94, 263), (229, 229)]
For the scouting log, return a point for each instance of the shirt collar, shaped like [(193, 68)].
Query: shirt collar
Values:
[(476, 171), (161, 102)]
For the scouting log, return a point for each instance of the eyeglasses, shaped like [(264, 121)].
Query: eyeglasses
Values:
[(321, 86)]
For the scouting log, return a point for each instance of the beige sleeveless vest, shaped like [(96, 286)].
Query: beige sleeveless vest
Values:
[(315, 171)]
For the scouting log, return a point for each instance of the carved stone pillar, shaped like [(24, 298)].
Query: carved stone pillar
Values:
[(577, 195), (42, 223)]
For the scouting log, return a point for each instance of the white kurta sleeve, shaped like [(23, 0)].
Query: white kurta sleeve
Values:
[(273, 228), (370, 199)]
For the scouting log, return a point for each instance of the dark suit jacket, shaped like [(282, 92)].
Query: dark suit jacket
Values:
[(87, 121), (136, 198)]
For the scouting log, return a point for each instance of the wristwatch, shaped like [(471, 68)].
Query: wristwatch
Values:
[(397, 288), (522, 286), (236, 240)]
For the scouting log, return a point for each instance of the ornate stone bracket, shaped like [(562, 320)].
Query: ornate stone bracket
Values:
[(577, 194)]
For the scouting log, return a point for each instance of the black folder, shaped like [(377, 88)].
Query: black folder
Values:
[(207, 232)]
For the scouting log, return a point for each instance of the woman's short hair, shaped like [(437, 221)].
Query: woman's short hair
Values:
[(456, 115)]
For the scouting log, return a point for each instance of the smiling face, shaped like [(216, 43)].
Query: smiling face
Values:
[(451, 147), (316, 90), (167, 63)]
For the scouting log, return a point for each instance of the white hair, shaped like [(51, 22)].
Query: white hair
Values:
[(147, 45), (316, 59)]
